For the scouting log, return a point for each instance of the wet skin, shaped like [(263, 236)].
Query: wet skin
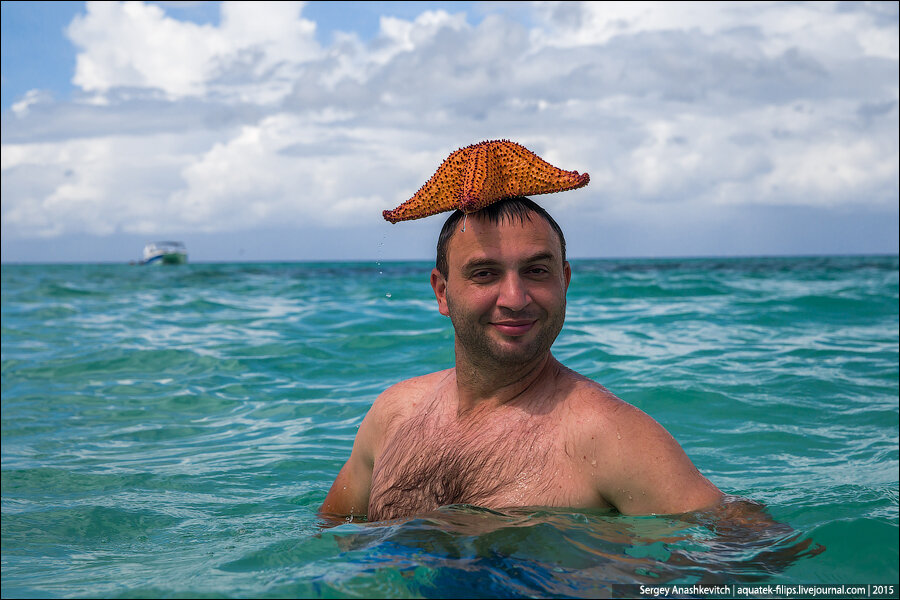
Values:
[(505, 293), (509, 425)]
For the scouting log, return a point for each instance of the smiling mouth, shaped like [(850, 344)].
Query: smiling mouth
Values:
[(514, 328)]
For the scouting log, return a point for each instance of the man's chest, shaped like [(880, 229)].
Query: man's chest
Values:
[(426, 464)]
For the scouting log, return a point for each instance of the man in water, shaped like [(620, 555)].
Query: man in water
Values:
[(509, 425)]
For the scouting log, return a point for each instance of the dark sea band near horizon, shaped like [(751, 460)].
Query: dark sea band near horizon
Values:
[(172, 431)]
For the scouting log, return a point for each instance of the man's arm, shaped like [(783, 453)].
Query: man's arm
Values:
[(649, 471), (349, 494)]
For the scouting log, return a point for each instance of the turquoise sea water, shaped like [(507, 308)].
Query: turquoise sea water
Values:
[(172, 431)]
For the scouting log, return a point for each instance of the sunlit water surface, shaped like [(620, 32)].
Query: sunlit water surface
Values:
[(172, 431)]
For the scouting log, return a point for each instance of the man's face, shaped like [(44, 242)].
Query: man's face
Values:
[(505, 290)]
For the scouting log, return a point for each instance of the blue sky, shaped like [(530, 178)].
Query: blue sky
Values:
[(280, 131)]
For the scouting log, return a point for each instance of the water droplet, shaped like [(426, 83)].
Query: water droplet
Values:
[(618, 435), (388, 295), (593, 463)]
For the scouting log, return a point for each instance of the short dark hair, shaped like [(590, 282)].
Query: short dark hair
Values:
[(516, 209)]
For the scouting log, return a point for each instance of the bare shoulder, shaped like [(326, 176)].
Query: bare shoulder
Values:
[(642, 469), (599, 409), (391, 407), (349, 494), (403, 399), (418, 385), (591, 404)]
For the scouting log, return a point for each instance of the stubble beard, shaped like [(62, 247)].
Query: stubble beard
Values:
[(482, 351)]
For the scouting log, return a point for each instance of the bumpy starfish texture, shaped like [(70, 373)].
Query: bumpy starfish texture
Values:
[(479, 175)]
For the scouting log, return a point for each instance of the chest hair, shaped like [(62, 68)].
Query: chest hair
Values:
[(430, 462)]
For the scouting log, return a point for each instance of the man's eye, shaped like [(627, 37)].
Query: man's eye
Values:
[(482, 275)]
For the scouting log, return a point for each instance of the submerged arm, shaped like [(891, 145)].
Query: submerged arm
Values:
[(651, 474), (748, 544)]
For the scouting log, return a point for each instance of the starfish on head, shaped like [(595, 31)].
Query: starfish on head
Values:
[(476, 176)]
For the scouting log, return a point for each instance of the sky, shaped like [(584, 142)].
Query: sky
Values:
[(281, 131)]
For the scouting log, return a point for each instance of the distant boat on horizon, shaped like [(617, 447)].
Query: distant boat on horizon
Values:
[(164, 253)]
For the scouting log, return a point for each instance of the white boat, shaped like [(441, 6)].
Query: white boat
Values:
[(165, 253)]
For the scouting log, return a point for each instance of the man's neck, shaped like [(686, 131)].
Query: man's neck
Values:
[(490, 387)]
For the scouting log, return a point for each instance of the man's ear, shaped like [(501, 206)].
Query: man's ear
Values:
[(567, 271), (439, 285)]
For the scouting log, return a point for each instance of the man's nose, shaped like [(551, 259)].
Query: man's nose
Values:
[(513, 293)]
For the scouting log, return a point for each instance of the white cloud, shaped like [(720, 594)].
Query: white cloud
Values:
[(91, 185), (134, 44), (827, 29), (250, 123), (264, 177), (32, 97)]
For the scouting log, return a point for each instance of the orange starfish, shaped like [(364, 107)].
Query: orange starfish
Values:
[(476, 176)]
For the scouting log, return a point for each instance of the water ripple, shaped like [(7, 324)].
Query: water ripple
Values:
[(172, 432)]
